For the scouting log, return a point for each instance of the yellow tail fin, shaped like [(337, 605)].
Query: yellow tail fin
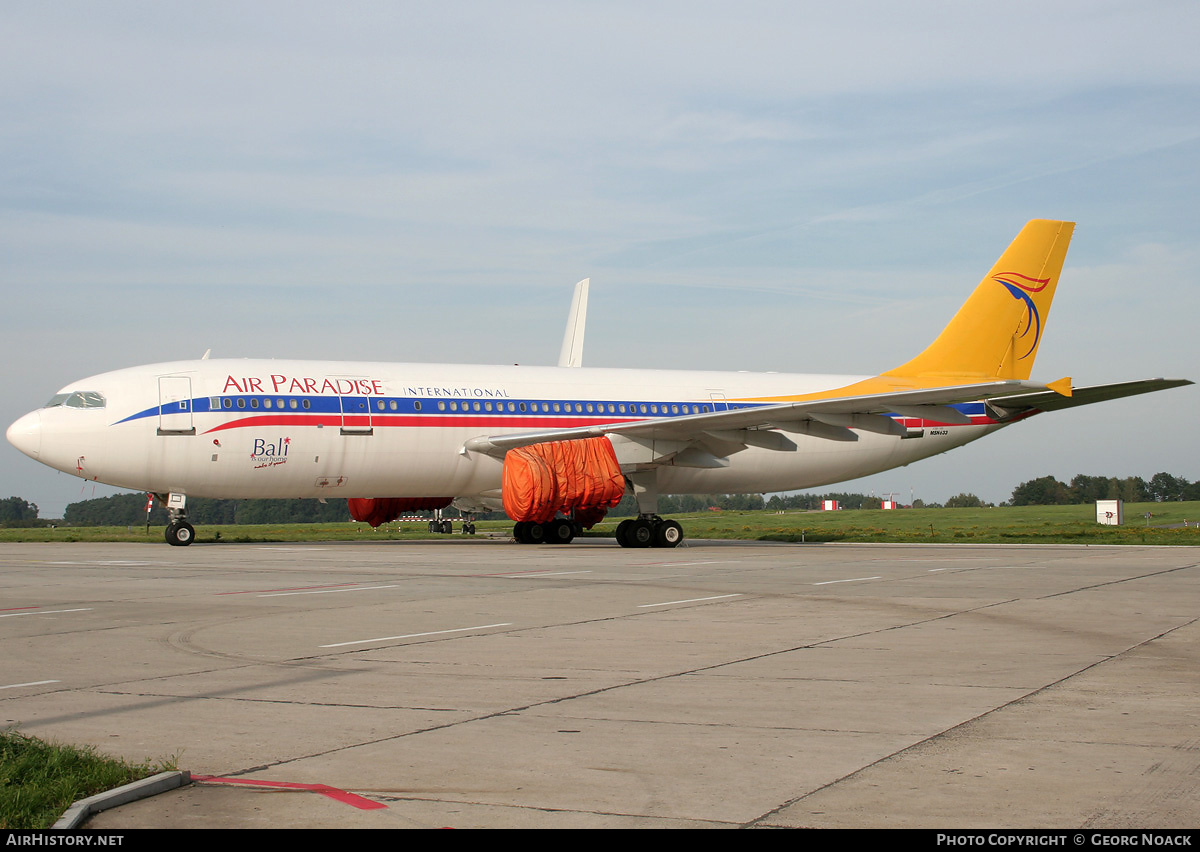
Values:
[(996, 333)]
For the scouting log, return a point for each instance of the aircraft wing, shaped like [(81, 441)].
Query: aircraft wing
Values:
[(706, 438), (1051, 401)]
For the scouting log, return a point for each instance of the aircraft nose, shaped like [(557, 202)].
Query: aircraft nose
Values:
[(26, 434)]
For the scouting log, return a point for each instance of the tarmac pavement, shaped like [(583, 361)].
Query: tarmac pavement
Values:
[(490, 684)]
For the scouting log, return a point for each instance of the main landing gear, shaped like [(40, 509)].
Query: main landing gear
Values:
[(445, 526), (557, 531), (645, 531), (649, 531)]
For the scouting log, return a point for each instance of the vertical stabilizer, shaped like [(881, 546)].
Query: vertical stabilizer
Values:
[(996, 333), (571, 354)]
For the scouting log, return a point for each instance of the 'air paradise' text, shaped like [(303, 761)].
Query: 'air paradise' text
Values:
[(306, 384)]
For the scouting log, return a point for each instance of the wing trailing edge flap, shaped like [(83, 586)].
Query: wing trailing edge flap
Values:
[(706, 440)]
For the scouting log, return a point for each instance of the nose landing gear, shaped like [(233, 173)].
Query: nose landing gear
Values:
[(179, 533)]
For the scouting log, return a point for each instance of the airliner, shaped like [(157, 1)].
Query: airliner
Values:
[(555, 447)]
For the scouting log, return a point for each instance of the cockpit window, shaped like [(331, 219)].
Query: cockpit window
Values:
[(78, 399)]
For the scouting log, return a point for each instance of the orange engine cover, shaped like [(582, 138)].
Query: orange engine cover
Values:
[(380, 510), (544, 479)]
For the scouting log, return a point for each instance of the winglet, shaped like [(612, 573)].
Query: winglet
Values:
[(996, 333), (1062, 387)]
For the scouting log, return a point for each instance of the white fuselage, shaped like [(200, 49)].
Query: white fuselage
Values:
[(275, 429)]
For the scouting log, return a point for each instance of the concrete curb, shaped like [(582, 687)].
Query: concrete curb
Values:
[(152, 786)]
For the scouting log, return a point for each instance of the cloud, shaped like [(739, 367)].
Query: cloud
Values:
[(771, 186)]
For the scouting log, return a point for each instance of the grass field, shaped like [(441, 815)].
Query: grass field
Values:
[(1023, 524), (39, 780)]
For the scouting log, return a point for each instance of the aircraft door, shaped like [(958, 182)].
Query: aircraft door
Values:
[(175, 406), (355, 408)]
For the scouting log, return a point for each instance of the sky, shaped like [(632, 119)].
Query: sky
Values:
[(762, 186)]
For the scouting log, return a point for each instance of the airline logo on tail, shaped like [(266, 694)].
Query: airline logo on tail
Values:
[(1020, 290)]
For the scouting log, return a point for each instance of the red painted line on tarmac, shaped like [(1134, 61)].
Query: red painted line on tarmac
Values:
[(19, 608), (334, 793), (296, 589), (524, 573)]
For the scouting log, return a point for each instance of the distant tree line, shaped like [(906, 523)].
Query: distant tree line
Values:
[(15, 512), (1048, 491), (130, 510), (669, 504)]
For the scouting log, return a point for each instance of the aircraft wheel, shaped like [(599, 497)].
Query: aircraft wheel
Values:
[(623, 532), (180, 534), (668, 534), (640, 533), (535, 533), (519, 532), (560, 531)]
